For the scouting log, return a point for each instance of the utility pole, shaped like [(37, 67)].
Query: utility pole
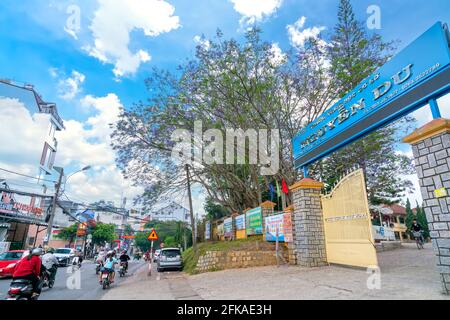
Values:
[(194, 240), (52, 214)]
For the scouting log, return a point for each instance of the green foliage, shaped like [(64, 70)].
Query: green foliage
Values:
[(213, 210), (128, 230), (422, 220), (354, 55), (103, 233), (69, 233), (170, 241), (409, 215), (171, 233), (141, 241)]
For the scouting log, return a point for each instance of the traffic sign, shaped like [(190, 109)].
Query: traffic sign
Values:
[(153, 236)]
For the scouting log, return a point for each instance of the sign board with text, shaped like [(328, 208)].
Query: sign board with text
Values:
[(281, 221), (421, 71), (253, 221), (228, 228)]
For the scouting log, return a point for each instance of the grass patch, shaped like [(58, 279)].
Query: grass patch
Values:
[(190, 258)]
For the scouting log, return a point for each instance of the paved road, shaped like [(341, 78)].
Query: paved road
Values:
[(168, 285), (80, 285)]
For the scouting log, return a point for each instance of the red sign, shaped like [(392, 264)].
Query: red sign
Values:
[(153, 236)]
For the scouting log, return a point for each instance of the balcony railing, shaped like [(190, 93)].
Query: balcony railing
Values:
[(51, 109)]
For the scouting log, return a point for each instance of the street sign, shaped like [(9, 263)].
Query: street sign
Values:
[(419, 73), (153, 236)]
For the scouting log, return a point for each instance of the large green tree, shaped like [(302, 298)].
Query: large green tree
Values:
[(409, 215), (69, 233), (422, 220), (176, 233), (354, 55), (103, 234)]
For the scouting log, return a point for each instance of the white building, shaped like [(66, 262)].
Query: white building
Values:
[(172, 212), (24, 110)]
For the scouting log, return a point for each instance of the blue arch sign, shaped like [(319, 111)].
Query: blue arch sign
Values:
[(419, 73)]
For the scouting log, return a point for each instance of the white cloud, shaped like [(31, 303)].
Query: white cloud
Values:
[(278, 57), (68, 87), (23, 136), (298, 35), (116, 19), (202, 42), (255, 10)]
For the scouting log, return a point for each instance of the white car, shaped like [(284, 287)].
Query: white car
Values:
[(65, 256)]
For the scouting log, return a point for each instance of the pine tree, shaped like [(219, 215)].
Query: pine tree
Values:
[(409, 215), (422, 220), (354, 55)]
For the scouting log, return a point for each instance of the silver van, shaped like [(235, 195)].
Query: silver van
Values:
[(170, 258)]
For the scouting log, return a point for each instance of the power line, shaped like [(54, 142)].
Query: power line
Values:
[(24, 175)]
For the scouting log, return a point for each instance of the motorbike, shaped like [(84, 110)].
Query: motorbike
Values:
[(76, 262), (47, 280), (21, 289), (106, 283), (98, 266), (122, 269)]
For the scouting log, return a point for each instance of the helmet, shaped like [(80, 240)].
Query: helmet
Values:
[(37, 252), (51, 250)]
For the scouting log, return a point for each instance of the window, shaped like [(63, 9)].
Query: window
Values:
[(52, 130), (48, 156)]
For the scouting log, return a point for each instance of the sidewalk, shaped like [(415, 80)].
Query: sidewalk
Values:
[(158, 286), (406, 273)]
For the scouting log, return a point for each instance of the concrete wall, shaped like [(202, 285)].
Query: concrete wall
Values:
[(220, 260)]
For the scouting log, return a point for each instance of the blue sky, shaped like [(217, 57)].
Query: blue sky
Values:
[(67, 67)]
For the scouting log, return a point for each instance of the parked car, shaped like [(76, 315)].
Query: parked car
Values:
[(65, 256), (170, 258), (8, 262), (156, 255)]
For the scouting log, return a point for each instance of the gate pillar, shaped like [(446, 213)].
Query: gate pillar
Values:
[(431, 150), (308, 230), (266, 210)]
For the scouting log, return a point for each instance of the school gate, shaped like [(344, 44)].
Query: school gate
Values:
[(347, 224), (415, 77)]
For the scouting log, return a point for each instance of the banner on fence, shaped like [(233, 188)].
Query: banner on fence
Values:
[(239, 224), (281, 221), (220, 230), (253, 221), (287, 226), (208, 230), (228, 228), (272, 224)]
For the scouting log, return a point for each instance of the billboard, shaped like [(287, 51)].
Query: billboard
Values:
[(228, 228), (407, 82), (208, 230), (281, 221), (239, 222), (253, 221)]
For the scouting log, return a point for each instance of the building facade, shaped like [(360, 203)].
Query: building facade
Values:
[(23, 197)]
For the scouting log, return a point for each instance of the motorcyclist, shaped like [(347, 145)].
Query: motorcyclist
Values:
[(29, 268), (50, 263), (108, 265), (124, 258)]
